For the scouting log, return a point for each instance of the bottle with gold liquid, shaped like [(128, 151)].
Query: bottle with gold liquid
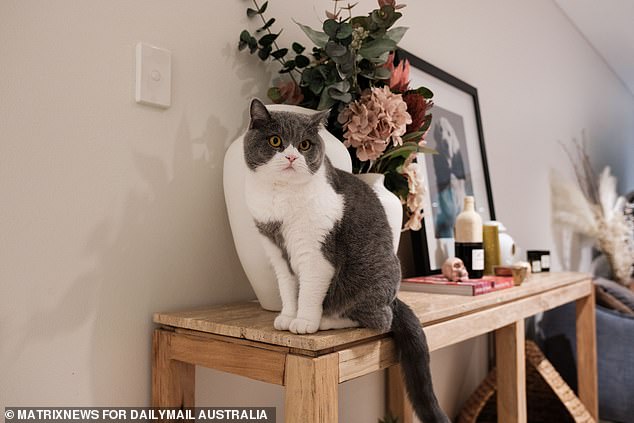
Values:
[(468, 239)]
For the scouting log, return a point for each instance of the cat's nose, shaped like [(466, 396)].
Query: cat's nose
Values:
[(291, 158)]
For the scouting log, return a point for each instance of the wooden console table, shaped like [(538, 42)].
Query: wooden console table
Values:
[(240, 339)]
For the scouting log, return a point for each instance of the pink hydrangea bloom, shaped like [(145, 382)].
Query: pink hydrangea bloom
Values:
[(378, 118)]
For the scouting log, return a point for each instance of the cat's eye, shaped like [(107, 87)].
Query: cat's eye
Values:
[(275, 141), (304, 145)]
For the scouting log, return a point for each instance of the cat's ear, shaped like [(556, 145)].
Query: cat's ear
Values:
[(259, 115), (320, 118)]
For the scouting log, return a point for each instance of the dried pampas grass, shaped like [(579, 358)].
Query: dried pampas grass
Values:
[(594, 209)]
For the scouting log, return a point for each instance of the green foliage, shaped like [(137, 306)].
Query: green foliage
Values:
[(348, 55)]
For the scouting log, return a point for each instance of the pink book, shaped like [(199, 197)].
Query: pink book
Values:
[(437, 284)]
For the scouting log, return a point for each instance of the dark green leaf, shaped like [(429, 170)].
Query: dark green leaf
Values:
[(343, 97), (301, 61), (264, 52), (263, 7), (426, 123), (253, 45), (376, 47), (267, 25), (245, 36), (298, 48), (251, 12), (268, 39), (325, 101), (396, 34), (331, 27), (319, 38), (334, 49), (382, 73), (344, 31), (424, 91), (278, 54)]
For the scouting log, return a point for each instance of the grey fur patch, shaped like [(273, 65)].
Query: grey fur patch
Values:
[(273, 231), (360, 247), (293, 128)]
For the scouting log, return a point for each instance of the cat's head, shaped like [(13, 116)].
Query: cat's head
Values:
[(284, 146)]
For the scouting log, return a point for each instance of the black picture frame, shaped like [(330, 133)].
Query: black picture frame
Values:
[(436, 79)]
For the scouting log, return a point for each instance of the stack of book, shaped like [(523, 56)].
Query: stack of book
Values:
[(438, 284)]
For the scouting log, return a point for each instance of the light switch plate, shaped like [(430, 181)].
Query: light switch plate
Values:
[(153, 75)]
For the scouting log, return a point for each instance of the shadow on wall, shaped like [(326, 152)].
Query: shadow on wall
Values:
[(171, 249)]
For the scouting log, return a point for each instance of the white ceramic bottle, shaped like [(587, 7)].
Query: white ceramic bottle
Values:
[(468, 236)]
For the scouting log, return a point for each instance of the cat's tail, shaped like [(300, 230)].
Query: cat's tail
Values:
[(413, 353)]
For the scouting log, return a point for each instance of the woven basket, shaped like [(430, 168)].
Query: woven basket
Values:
[(548, 398)]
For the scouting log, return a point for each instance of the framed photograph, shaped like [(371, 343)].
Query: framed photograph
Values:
[(459, 169)]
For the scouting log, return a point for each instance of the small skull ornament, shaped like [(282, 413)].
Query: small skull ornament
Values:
[(454, 270)]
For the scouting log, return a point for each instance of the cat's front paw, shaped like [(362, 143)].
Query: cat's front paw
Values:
[(283, 322), (301, 326)]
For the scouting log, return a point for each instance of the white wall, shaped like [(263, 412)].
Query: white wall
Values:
[(111, 210)]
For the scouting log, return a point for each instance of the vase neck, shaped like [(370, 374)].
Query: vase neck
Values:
[(372, 179)]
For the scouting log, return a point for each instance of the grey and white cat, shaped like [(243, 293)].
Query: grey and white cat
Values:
[(330, 244)]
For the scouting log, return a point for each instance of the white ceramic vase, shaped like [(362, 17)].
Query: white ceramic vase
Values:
[(252, 256), (390, 202)]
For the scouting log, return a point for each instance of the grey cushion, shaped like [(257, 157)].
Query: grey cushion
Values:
[(621, 293)]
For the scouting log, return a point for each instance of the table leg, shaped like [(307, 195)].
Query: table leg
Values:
[(587, 354), (173, 382), (511, 373), (311, 388), (397, 402)]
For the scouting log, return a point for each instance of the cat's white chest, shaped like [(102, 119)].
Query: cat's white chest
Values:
[(307, 212)]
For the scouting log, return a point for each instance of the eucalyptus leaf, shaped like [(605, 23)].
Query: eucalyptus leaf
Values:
[(267, 25), (251, 12), (298, 48), (331, 27), (264, 52), (263, 7), (325, 101), (301, 61), (268, 39), (396, 34), (382, 73), (245, 36), (343, 97), (319, 38), (334, 49), (376, 47), (278, 54), (381, 59), (344, 31)]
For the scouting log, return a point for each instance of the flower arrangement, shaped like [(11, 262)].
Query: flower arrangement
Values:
[(593, 208), (351, 70)]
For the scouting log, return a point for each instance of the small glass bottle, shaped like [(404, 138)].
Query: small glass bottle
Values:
[(468, 239)]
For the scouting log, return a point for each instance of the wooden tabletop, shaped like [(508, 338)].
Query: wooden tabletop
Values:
[(247, 320)]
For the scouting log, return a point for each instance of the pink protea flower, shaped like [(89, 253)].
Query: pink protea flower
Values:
[(378, 118), (399, 80)]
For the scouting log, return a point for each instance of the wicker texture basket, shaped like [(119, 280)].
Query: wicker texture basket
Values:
[(548, 398)]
